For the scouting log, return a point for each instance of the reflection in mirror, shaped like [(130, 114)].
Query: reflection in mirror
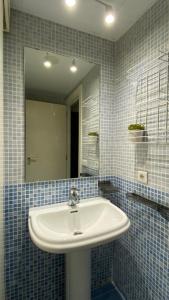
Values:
[(62, 116)]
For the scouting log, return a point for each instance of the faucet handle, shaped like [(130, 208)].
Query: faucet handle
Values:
[(74, 196), (74, 192)]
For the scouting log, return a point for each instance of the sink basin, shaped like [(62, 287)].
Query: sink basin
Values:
[(62, 229)]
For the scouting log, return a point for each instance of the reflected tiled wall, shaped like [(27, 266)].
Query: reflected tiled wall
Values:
[(90, 121)]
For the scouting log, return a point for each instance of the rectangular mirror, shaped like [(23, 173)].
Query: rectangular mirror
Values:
[(62, 116)]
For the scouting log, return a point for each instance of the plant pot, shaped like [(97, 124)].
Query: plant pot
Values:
[(92, 139), (136, 136)]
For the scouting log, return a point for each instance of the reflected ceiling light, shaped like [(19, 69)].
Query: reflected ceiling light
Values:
[(109, 15), (73, 67), (47, 62), (70, 3)]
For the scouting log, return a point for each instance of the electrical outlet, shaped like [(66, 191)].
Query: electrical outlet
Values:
[(142, 176)]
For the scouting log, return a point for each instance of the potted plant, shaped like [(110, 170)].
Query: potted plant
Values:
[(93, 136), (136, 132)]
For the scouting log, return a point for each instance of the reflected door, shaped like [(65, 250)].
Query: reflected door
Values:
[(45, 141)]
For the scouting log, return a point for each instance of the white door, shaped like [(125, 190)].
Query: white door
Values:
[(45, 141)]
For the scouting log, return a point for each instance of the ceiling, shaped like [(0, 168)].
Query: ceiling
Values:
[(88, 15), (56, 82)]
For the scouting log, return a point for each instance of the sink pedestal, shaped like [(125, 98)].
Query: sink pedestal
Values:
[(60, 229), (78, 275)]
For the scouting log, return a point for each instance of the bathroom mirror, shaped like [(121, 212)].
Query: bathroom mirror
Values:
[(62, 116)]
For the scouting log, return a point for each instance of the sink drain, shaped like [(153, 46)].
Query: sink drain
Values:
[(77, 233)]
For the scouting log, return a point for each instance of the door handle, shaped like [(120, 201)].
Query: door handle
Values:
[(31, 160)]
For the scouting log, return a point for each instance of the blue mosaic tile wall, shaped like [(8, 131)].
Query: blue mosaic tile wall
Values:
[(141, 257), (134, 52), (29, 272), (138, 262)]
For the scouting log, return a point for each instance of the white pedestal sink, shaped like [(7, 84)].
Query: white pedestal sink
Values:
[(73, 231)]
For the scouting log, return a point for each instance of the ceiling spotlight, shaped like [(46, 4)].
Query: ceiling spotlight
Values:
[(73, 67), (47, 62), (70, 3), (109, 15)]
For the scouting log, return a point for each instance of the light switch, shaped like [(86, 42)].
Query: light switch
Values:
[(142, 176)]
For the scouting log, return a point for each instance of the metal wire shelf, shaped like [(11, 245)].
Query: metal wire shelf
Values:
[(152, 101)]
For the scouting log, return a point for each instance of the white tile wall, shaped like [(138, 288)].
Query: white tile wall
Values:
[(141, 44)]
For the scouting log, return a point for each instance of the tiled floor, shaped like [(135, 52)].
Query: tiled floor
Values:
[(108, 292)]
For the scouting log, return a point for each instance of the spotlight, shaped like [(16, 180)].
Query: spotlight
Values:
[(109, 16), (70, 3), (73, 67), (47, 63)]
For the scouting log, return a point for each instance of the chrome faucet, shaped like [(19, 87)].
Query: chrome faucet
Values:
[(74, 197)]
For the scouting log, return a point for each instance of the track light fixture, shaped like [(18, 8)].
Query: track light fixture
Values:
[(109, 14)]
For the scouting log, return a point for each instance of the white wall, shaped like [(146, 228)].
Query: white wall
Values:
[(45, 141), (1, 156)]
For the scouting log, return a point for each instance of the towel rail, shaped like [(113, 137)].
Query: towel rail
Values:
[(162, 209)]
